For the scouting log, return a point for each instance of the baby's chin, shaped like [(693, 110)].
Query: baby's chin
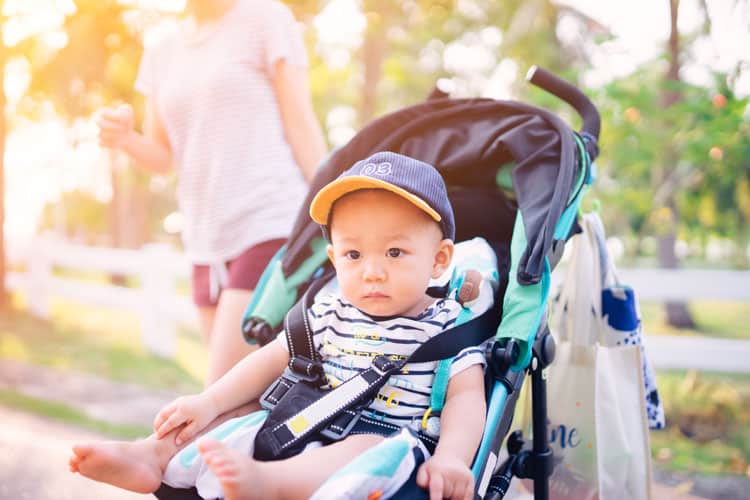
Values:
[(387, 310)]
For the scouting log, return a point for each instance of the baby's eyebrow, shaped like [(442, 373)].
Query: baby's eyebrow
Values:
[(399, 236)]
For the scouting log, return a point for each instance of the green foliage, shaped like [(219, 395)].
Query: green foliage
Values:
[(102, 342), (708, 130), (695, 152), (69, 415), (78, 214), (718, 319), (708, 423), (407, 41), (97, 66)]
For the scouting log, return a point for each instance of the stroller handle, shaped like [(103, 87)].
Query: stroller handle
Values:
[(573, 96)]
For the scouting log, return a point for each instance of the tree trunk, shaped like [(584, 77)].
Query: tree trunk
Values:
[(134, 216), (373, 53), (116, 211), (3, 291), (677, 313)]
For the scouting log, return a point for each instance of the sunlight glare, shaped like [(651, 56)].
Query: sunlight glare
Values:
[(17, 79), (336, 36)]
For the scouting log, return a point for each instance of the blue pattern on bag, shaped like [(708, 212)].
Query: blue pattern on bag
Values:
[(620, 308)]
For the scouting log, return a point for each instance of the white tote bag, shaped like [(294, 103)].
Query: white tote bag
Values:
[(596, 398)]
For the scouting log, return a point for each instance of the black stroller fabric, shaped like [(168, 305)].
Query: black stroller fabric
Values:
[(467, 140)]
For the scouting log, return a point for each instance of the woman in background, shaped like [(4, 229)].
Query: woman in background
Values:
[(228, 108)]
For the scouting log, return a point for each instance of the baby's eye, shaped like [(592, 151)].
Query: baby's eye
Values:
[(394, 252), (352, 254)]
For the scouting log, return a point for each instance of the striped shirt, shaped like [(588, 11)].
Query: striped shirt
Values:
[(238, 182), (348, 339)]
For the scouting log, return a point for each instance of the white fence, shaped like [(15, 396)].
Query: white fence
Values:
[(683, 352), (160, 308), (157, 269)]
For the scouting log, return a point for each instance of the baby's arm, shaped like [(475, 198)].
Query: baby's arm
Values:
[(448, 472), (245, 382)]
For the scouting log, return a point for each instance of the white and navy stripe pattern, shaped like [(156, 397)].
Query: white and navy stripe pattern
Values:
[(238, 182), (348, 339)]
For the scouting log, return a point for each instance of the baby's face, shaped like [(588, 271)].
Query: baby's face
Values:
[(385, 250)]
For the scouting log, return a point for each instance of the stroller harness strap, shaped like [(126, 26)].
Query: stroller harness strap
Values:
[(331, 413)]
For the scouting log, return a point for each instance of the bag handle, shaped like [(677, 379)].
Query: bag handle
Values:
[(609, 277), (579, 308)]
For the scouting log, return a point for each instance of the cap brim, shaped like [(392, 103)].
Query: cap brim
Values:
[(320, 207)]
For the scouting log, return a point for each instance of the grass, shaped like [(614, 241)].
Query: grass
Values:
[(712, 408), (719, 319), (103, 342), (69, 415)]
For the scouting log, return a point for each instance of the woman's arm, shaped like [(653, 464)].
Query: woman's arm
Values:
[(150, 150), (301, 126)]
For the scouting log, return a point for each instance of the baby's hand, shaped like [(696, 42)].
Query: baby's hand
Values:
[(447, 477), (194, 412)]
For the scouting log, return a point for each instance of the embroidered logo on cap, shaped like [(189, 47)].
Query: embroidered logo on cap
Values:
[(384, 168)]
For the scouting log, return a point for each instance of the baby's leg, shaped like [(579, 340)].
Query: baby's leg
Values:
[(136, 466), (243, 478)]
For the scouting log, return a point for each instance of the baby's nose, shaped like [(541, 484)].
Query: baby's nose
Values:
[(374, 271)]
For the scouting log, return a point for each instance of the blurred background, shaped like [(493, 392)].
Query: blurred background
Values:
[(88, 243)]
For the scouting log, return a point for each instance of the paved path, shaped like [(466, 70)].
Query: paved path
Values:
[(100, 398), (34, 450), (34, 455)]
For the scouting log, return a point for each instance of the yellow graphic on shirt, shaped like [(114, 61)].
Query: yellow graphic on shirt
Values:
[(389, 398), (332, 350), (368, 337)]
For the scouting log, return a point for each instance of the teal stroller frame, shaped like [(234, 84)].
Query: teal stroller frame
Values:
[(515, 175)]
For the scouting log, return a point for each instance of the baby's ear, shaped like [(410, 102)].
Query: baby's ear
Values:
[(329, 251), (443, 258)]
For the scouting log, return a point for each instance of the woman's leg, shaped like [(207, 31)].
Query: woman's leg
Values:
[(226, 346), (206, 317)]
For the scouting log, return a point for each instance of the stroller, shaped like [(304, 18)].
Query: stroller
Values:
[(515, 175)]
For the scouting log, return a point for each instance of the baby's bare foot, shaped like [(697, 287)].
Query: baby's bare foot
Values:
[(238, 474), (132, 466)]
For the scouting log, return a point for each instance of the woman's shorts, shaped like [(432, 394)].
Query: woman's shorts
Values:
[(243, 272)]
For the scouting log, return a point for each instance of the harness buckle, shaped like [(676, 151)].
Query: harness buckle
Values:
[(341, 425), (271, 397), (300, 369), (383, 365)]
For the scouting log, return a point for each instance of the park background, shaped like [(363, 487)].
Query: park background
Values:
[(86, 237)]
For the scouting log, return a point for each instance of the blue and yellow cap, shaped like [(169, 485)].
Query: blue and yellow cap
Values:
[(416, 181)]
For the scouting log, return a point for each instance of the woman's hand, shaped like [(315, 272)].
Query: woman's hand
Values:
[(194, 412), (446, 476), (116, 125)]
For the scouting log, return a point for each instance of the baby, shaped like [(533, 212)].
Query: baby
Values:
[(390, 229)]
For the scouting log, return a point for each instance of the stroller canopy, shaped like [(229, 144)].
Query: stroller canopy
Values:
[(468, 140)]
